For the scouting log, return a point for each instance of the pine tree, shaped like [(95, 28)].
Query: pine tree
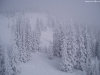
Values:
[(69, 48), (36, 35), (23, 38), (57, 40), (11, 62)]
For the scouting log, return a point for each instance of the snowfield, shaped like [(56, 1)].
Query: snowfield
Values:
[(41, 65)]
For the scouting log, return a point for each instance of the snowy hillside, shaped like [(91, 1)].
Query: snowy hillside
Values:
[(41, 65), (37, 44), (49, 37)]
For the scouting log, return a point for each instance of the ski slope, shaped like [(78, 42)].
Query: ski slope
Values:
[(41, 65)]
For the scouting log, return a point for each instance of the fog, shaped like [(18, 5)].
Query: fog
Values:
[(64, 10), (49, 37)]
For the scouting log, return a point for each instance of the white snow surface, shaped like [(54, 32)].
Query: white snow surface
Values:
[(41, 65)]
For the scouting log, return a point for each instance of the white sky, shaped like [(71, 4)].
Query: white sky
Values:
[(64, 10)]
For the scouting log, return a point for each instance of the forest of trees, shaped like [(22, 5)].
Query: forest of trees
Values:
[(75, 45)]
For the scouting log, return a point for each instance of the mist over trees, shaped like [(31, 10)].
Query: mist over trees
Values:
[(75, 45), (77, 49)]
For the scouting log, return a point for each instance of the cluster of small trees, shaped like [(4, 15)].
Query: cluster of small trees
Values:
[(76, 47), (23, 42), (27, 41)]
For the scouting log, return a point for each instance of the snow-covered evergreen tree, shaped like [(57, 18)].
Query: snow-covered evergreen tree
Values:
[(11, 62), (36, 35), (69, 49), (8, 60), (85, 48), (27, 40), (57, 40), (23, 38)]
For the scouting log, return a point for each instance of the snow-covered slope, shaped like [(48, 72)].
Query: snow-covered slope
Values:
[(41, 65)]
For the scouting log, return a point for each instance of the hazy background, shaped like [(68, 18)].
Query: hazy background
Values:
[(64, 10)]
